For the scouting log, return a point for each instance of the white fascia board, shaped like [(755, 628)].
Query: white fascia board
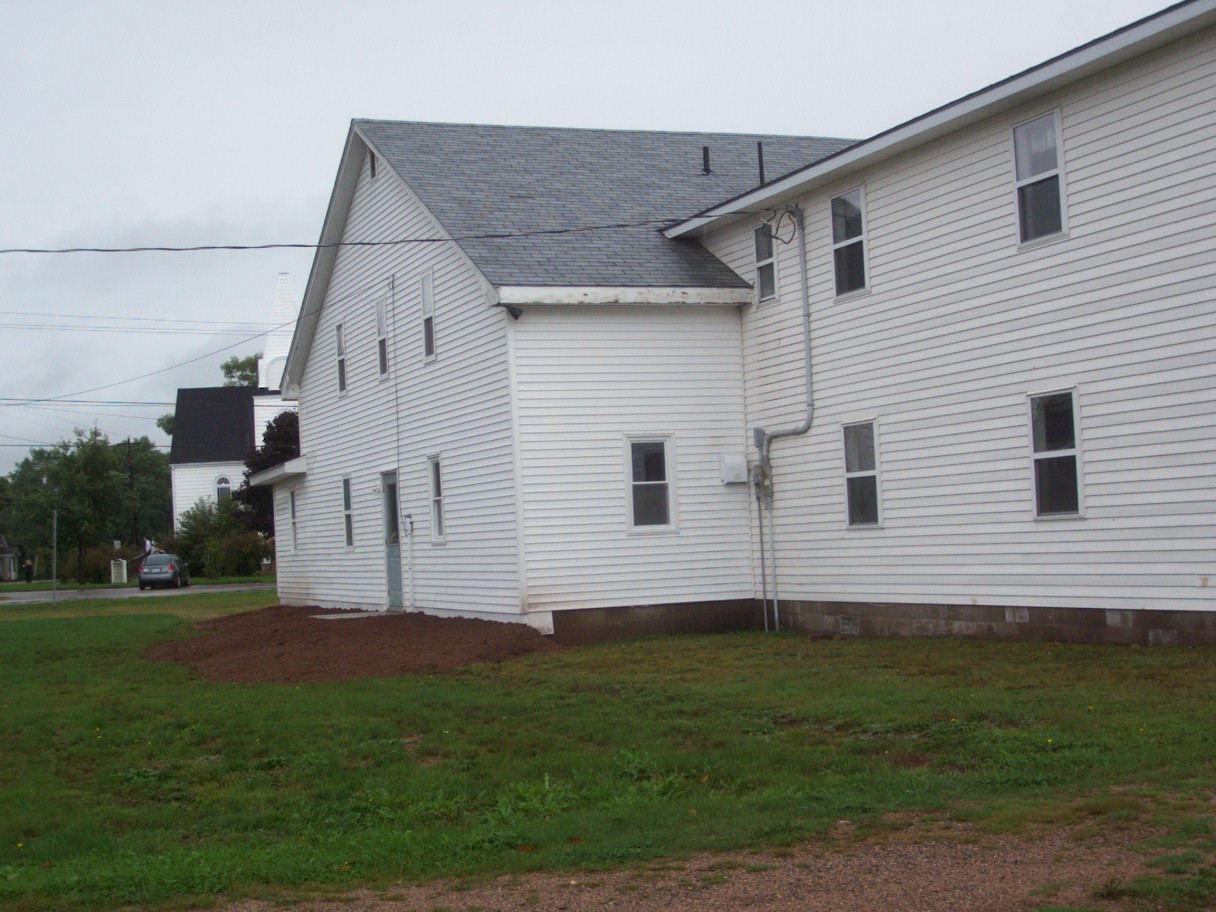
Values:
[(292, 468), (541, 294), (323, 263), (1103, 53)]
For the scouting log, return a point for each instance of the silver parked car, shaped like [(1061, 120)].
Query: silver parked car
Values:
[(163, 570)]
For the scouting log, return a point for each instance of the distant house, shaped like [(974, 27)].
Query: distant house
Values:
[(9, 556), (214, 428), (954, 379)]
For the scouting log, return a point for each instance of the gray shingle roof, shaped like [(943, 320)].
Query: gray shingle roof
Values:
[(481, 180)]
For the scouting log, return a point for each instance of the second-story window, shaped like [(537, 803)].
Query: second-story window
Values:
[(382, 336), (223, 488), (766, 263), (340, 349), (1036, 156), (849, 241), (428, 316)]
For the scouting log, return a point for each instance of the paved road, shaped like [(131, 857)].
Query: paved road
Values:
[(30, 598)]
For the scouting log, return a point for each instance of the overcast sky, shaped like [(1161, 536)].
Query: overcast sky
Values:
[(160, 123)]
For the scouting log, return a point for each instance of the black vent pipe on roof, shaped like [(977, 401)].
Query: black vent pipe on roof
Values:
[(705, 159), (760, 160)]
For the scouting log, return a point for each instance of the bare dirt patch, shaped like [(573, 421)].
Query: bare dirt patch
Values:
[(956, 871), (292, 645)]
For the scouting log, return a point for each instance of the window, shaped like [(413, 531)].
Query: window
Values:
[(382, 335), (861, 474), (649, 484), (1057, 489), (428, 316), (295, 541), (849, 241), (371, 163), (223, 488), (1036, 155), (340, 348), (766, 263), (348, 520), (438, 529)]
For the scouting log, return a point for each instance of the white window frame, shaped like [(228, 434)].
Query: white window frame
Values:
[(382, 359), (295, 539), (1038, 455), (766, 265), (1057, 172), (340, 356), (862, 239), (435, 485), (429, 345), (669, 470), (222, 490), (348, 514), (874, 473)]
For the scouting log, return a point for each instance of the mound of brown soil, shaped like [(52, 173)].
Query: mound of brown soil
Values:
[(293, 645)]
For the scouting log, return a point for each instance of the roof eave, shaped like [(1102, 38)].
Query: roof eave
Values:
[(292, 468), (1130, 41), (323, 262), (580, 294)]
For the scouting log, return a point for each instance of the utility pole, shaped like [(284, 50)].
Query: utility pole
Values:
[(134, 503), (55, 556)]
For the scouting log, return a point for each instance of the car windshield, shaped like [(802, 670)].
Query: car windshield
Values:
[(159, 560)]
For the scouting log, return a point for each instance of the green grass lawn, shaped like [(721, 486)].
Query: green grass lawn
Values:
[(127, 782)]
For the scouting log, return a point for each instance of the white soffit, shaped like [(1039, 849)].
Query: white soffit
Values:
[(539, 294), (292, 468)]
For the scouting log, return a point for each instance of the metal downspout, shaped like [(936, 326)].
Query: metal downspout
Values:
[(764, 439)]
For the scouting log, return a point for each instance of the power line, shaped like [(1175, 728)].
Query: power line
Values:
[(396, 242)]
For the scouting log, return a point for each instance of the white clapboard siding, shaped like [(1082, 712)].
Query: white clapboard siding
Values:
[(960, 326), (586, 379), (195, 481), (456, 406)]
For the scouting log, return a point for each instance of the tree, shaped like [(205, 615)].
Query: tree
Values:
[(280, 442), (102, 492), (240, 371), (165, 423)]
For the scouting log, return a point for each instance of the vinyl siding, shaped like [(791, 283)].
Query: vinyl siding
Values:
[(960, 325), (586, 380), (193, 482), (456, 405)]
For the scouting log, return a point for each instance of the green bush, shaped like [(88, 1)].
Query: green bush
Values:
[(213, 542), (238, 554)]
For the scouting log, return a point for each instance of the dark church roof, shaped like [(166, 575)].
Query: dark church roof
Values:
[(213, 424)]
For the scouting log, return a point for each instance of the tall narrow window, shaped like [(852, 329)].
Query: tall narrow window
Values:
[(861, 474), (371, 163), (382, 335), (295, 540), (223, 488), (428, 316), (1057, 488), (340, 349), (849, 241), (650, 487), (766, 263), (438, 530), (1036, 156), (348, 520)]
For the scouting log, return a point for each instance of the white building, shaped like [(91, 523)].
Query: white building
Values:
[(956, 379), (214, 428)]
